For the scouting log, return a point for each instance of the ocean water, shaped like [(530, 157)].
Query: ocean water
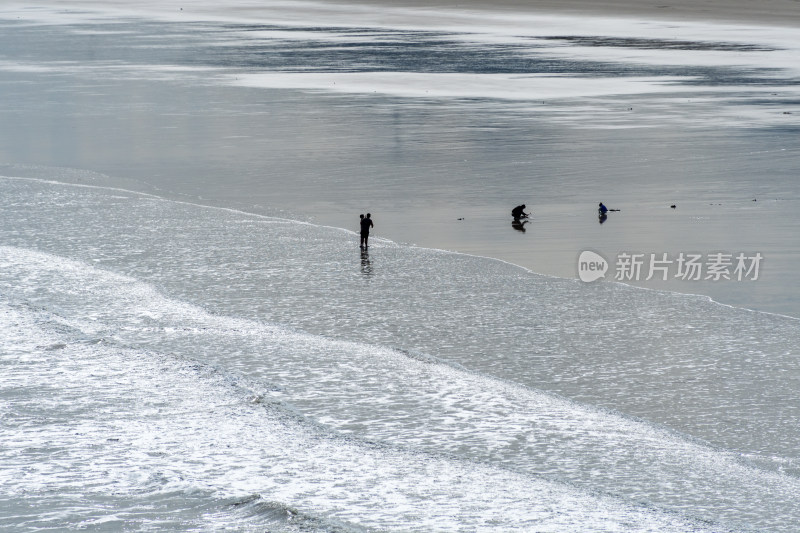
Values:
[(169, 365), (185, 353)]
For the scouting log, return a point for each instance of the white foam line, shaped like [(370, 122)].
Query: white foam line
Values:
[(193, 204), (384, 241), (134, 293), (490, 86), (128, 69), (198, 412)]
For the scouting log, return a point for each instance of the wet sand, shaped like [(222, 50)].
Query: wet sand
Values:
[(770, 12), (442, 173), (780, 12)]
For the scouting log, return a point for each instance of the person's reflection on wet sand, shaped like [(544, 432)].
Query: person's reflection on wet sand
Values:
[(366, 266), (519, 225), (602, 217)]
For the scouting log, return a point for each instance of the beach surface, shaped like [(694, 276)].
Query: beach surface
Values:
[(772, 12), (192, 340), (441, 130)]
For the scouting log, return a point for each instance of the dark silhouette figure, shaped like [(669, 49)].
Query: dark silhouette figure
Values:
[(603, 209), (519, 212), (519, 225), (602, 217), (366, 223)]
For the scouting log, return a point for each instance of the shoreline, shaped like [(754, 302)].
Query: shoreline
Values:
[(111, 188)]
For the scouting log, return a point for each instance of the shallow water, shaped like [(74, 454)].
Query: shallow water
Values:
[(394, 349), (169, 365), (437, 128)]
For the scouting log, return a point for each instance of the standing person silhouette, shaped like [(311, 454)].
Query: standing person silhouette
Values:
[(366, 223)]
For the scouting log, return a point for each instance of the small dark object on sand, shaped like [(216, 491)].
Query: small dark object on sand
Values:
[(673, 206)]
